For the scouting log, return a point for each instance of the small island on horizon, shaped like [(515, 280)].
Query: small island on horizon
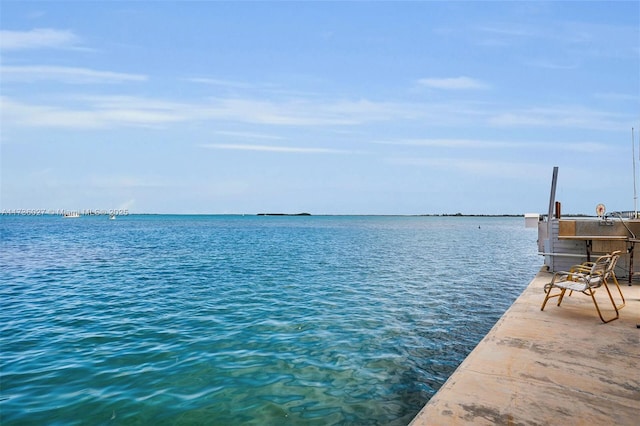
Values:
[(284, 214)]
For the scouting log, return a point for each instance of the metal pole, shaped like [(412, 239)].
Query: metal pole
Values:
[(635, 194), (552, 201)]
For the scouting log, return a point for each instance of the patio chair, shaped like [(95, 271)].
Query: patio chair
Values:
[(610, 274), (584, 278)]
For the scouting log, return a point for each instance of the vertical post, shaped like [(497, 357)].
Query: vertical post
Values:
[(552, 200), (635, 193)]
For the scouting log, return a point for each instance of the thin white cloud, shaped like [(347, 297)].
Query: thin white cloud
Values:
[(509, 30), (618, 97), (247, 135), (340, 112), (83, 112), (273, 148), (87, 116), (453, 83), (220, 82), (297, 112), (39, 38), (550, 65), (448, 143), (65, 74), (104, 111), (128, 182), (266, 89), (488, 144), (135, 102), (572, 39), (559, 116), (475, 168), (588, 147)]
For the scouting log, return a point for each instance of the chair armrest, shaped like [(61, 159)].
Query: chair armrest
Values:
[(581, 268)]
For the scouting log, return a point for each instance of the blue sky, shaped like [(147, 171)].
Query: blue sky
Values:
[(320, 107)]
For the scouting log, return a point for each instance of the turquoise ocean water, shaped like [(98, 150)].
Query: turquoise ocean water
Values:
[(263, 320)]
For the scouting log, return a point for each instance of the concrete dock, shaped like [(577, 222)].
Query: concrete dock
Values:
[(560, 366)]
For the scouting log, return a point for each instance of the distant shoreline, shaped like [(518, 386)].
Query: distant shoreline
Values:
[(284, 214), (28, 212), (19, 213)]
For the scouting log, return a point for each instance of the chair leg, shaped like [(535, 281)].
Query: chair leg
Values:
[(615, 281), (592, 293), (548, 296), (561, 295)]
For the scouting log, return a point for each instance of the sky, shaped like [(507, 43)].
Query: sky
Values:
[(359, 107)]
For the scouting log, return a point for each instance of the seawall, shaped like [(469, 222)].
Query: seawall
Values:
[(557, 366)]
